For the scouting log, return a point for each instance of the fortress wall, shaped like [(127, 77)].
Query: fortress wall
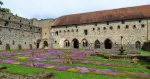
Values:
[(17, 32)]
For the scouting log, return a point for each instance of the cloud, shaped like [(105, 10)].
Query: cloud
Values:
[(42, 9)]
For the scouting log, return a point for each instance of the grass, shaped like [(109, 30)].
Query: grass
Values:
[(16, 50), (60, 74), (90, 66), (147, 52)]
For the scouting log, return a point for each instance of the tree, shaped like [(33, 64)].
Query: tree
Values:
[(1, 3), (6, 10)]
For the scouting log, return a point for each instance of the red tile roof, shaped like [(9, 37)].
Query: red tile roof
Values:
[(106, 15)]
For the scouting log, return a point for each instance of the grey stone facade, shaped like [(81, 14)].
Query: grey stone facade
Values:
[(17, 32), (99, 35)]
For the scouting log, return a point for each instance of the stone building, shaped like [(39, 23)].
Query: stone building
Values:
[(102, 29), (21, 33)]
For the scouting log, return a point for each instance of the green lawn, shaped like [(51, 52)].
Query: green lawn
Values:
[(60, 74), (147, 52), (89, 66)]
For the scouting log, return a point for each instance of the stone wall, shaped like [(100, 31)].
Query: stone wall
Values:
[(146, 46), (17, 32), (134, 34), (46, 26)]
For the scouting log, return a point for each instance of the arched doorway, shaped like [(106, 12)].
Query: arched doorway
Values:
[(75, 43), (137, 45), (97, 44), (66, 43), (45, 44), (7, 47), (108, 44), (38, 43)]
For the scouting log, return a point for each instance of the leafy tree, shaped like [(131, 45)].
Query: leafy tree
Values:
[(6, 10), (1, 3)]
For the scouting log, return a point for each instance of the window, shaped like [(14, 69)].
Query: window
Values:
[(68, 30), (66, 27), (111, 28), (98, 28), (85, 32), (20, 21), (60, 31), (6, 23), (93, 29), (20, 26), (107, 23), (127, 26), (77, 30), (0, 42), (122, 22), (55, 42), (76, 26), (56, 33), (118, 27), (95, 24), (25, 43), (9, 18), (30, 28), (64, 31), (72, 30), (104, 28), (13, 42), (39, 29), (134, 26), (142, 25), (140, 21)]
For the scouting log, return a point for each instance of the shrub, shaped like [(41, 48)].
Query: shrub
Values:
[(73, 70), (15, 63), (23, 57), (50, 67)]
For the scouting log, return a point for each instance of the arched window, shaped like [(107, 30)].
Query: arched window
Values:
[(84, 43), (66, 43)]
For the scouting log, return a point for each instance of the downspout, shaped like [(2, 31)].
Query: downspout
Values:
[(147, 29)]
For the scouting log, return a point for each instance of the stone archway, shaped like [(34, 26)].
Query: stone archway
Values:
[(97, 44), (108, 44), (66, 43), (7, 47), (38, 43), (75, 43), (137, 45), (45, 44), (84, 43)]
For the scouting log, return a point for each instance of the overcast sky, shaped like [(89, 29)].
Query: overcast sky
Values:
[(44, 9)]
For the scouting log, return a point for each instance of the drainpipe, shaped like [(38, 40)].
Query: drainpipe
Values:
[(147, 29)]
